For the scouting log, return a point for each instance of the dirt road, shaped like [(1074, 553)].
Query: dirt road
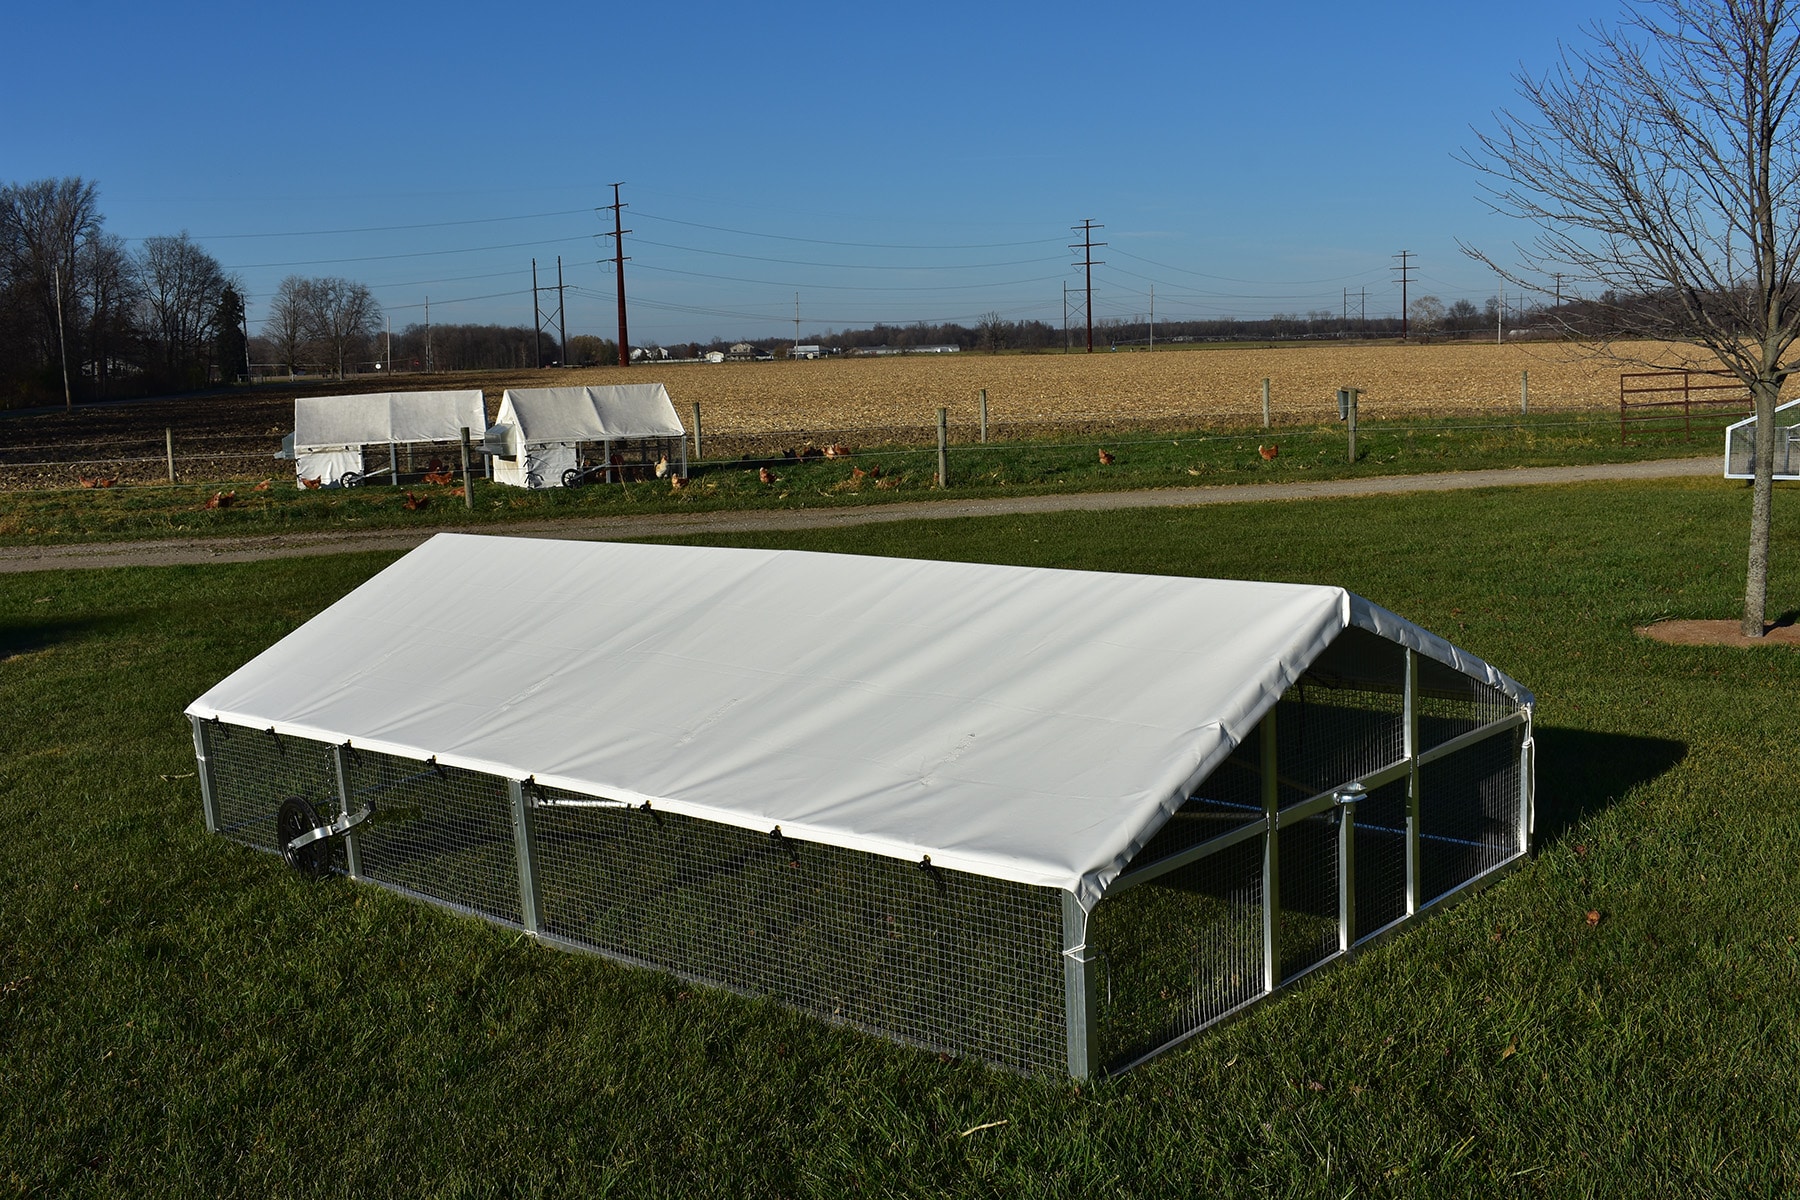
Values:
[(249, 549)]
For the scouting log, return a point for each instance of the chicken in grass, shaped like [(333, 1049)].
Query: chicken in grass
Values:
[(96, 481), (1268, 452), (766, 475), (311, 484), (263, 486), (676, 482), (662, 466), (837, 450), (440, 478), (221, 499), (1106, 460), (414, 503)]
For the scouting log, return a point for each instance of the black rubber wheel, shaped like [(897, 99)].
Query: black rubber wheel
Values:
[(350, 479), (295, 817), (572, 477)]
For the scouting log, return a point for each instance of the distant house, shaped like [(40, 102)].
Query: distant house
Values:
[(933, 349), (715, 356), (741, 350), (805, 352)]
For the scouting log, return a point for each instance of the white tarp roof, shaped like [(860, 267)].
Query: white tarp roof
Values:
[(631, 410), (376, 418), (1036, 725)]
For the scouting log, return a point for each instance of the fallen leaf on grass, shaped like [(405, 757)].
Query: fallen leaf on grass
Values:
[(1593, 917), (1512, 1048)]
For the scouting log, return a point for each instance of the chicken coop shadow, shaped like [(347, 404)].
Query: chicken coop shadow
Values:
[(28, 637), (1583, 772)]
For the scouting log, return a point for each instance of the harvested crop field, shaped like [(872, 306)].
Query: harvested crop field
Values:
[(760, 407)]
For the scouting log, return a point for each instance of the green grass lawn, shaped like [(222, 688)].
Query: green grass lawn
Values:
[(182, 1016), (1140, 460)]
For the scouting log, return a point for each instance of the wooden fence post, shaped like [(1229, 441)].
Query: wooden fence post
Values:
[(984, 416), (468, 482), (696, 431), (1265, 404), (943, 447), (169, 445)]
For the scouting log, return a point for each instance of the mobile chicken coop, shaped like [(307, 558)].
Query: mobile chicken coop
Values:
[(563, 437), (1055, 820), (1740, 445), (335, 437)]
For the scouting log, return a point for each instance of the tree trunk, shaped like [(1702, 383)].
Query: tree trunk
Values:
[(1762, 490)]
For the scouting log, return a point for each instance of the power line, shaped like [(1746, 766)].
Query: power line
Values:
[(782, 237), (794, 262), (222, 237)]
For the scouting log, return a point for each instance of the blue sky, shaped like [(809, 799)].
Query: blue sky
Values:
[(904, 163)]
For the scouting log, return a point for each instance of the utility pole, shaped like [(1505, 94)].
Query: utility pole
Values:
[(1153, 316), (618, 237), (537, 321), (1500, 317), (1087, 246), (429, 364), (1065, 316), (1406, 270), (562, 324), (796, 322), (62, 345)]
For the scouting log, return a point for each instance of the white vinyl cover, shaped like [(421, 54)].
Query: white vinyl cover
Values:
[(1035, 725), (377, 418), (590, 414)]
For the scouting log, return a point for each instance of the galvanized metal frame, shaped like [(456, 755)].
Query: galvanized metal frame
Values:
[(352, 853), (1267, 826), (1080, 990), (209, 795), (531, 899)]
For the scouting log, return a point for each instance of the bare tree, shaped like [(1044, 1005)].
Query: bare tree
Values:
[(1661, 164), (286, 324), (43, 227), (340, 315), (180, 286), (1427, 313)]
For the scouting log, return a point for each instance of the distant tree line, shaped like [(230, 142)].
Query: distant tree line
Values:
[(82, 316)]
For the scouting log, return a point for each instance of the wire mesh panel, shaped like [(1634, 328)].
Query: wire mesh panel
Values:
[(254, 771), (1451, 704), (437, 831), (1231, 796), (1469, 813), (1178, 952), (1344, 718), (944, 959), (1309, 892), (1379, 842)]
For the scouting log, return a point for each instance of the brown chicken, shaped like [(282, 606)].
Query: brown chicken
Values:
[(309, 484), (97, 481), (441, 478), (858, 473), (662, 466), (677, 482), (1106, 460), (1268, 452), (222, 499), (414, 503), (263, 486), (837, 450)]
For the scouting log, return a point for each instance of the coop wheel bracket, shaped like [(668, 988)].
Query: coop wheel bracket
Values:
[(337, 828)]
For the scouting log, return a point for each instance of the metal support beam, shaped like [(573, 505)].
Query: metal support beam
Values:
[(1271, 884), (531, 899), (1080, 991), (340, 759), (209, 799), (1414, 898), (1527, 787)]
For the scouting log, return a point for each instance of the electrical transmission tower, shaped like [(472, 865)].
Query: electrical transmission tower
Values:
[(1406, 270), (1087, 245), (544, 318), (619, 260)]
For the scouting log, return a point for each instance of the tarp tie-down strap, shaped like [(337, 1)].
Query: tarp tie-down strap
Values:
[(336, 828)]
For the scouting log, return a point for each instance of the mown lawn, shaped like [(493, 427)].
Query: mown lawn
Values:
[(181, 1016), (872, 475)]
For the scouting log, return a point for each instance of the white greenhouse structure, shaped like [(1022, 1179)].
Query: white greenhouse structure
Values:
[(563, 437), (1740, 445), (346, 440), (1058, 821)]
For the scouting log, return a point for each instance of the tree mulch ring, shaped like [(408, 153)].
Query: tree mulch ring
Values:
[(1721, 633)]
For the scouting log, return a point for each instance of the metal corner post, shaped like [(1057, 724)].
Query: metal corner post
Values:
[(1271, 884), (1414, 897), (531, 899), (1080, 991), (209, 800), (340, 759)]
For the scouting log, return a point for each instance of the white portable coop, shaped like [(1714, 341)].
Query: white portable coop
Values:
[(562, 437), (1740, 445), (334, 436), (1055, 820)]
